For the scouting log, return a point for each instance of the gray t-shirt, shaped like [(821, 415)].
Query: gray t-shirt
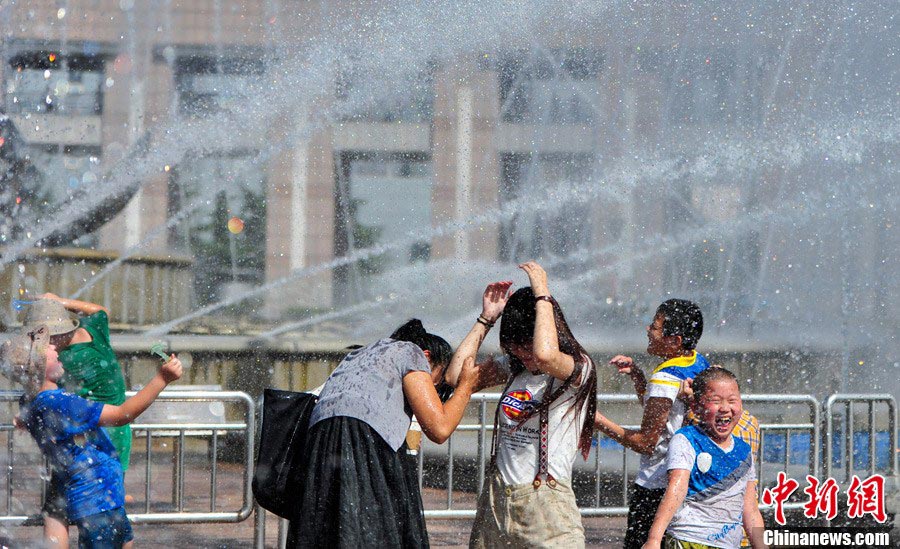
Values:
[(368, 385)]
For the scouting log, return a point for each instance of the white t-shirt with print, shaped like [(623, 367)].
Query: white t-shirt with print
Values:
[(717, 521), (666, 383), (518, 449)]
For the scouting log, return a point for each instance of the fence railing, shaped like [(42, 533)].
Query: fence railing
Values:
[(839, 409), (790, 440), (208, 428), (771, 432)]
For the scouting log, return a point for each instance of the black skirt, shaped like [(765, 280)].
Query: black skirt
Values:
[(358, 491)]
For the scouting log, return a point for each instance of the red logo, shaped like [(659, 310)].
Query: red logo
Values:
[(863, 497), (515, 404)]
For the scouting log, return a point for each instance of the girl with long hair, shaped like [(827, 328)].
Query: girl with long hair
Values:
[(545, 418)]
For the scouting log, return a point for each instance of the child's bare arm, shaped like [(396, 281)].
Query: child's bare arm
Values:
[(626, 366), (753, 521), (83, 307), (644, 440), (115, 416), (675, 492)]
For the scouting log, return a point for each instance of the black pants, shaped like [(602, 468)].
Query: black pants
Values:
[(641, 512)]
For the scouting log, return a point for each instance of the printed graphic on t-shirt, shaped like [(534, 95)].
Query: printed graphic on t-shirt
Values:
[(519, 445), (516, 404), (519, 438)]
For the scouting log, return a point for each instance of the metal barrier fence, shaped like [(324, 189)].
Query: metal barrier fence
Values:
[(795, 439), (840, 408), (771, 435), (180, 434), (767, 430)]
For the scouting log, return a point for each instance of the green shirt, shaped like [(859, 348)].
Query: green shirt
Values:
[(93, 372)]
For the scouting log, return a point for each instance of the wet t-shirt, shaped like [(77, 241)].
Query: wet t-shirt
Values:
[(518, 450), (66, 428), (368, 385), (92, 372), (665, 383), (713, 509)]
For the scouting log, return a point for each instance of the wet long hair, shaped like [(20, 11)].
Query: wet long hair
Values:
[(438, 349), (517, 328)]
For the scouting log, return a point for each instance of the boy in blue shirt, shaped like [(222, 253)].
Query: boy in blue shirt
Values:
[(67, 428), (712, 479)]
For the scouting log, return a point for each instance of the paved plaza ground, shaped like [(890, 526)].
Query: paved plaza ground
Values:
[(601, 532)]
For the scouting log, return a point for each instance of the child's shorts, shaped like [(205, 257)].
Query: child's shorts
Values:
[(55, 500), (106, 530)]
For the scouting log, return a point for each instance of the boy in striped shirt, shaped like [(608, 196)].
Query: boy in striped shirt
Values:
[(673, 336)]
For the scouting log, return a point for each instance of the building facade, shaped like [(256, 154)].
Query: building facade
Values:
[(558, 147)]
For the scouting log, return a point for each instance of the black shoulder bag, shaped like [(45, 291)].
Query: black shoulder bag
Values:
[(280, 467)]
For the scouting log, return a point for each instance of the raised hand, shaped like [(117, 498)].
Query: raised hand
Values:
[(494, 299), (171, 370), (469, 375), (625, 364), (686, 390), (537, 276)]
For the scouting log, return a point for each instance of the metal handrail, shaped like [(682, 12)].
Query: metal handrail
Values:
[(483, 426), (211, 430), (180, 432), (848, 400)]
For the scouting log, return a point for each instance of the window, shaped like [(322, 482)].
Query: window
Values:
[(53, 83), (712, 86), (549, 87), (208, 85), (380, 199), (213, 190), (558, 233), (65, 169)]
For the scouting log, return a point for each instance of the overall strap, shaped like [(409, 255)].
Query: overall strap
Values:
[(543, 453), (543, 467)]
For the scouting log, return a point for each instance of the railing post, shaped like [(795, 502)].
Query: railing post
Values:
[(259, 527), (283, 526), (482, 440)]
